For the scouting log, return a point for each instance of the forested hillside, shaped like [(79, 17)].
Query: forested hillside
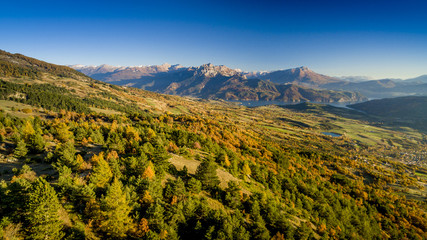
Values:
[(17, 65), (81, 159)]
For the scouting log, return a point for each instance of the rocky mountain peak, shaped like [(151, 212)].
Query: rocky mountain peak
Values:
[(301, 71), (304, 68), (210, 70)]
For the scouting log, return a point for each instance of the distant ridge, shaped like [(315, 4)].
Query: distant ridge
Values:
[(301, 76), (414, 107), (384, 88), (220, 82)]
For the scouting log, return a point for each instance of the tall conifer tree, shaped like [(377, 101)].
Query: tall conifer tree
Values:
[(43, 212), (116, 211), (206, 173)]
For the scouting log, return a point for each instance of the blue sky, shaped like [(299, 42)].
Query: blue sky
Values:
[(339, 38)]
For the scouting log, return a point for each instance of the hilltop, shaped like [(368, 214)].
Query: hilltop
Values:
[(18, 65)]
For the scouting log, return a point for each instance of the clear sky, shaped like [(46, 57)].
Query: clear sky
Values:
[(340, 38)]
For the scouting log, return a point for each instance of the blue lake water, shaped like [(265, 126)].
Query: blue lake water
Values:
[(332, 134), (280, 103)]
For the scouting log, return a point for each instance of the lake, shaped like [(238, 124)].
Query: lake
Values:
[(280, 103), (332, 134)]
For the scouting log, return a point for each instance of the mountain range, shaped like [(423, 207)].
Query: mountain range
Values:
[(293, 85), (302, 76), (384, 88), (220, 82)]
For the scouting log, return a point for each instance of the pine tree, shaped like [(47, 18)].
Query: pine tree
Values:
[(160, 159), (233, 195), (63, 132), (102, 173), (246, 170), (80, 162), (21, 149), (174, 190), (132, 134), (81, 133), (156, 217), (206, 173), (116, 142), (116, 211), (194, 185), (259, 230), (66, 154), (223, 159), (43, 212), (38, 144), (96, 136)]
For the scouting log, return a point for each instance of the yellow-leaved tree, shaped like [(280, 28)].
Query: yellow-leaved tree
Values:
[(101, 173)]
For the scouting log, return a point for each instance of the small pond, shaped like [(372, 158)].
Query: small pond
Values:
[(332, 134)]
